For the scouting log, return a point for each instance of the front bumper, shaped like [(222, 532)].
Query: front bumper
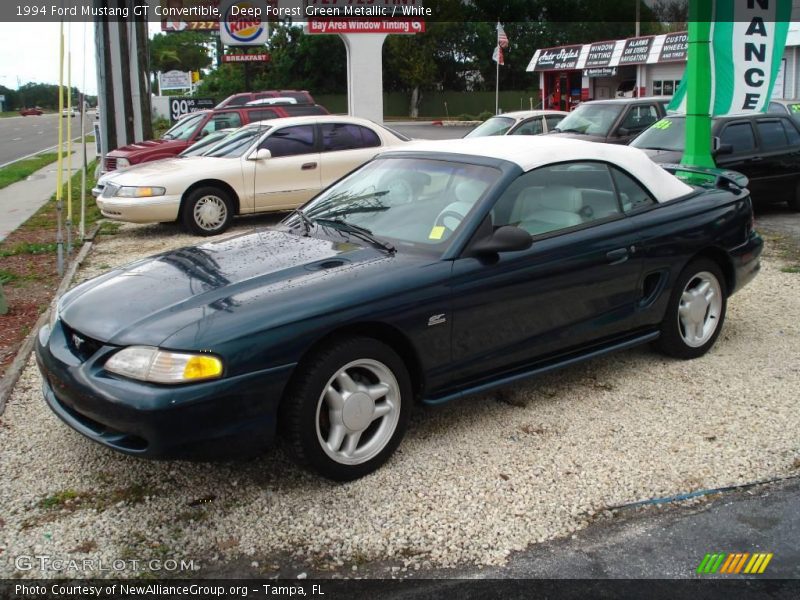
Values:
[(229, 416), (746, 261), (140, 210)]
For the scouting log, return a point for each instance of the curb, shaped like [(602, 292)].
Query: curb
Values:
[(460, 123), (14, 370)]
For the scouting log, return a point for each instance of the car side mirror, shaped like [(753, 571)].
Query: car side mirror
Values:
[(719, 149), (508, 238), (260, 154)]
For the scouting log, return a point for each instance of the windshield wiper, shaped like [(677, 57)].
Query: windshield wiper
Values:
[(568, 130), (308, 224), (358, 231)]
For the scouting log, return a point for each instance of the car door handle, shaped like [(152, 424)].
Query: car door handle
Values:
[(618, 256), (309, 166), (755, 159)]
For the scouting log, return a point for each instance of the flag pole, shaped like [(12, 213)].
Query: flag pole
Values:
[(497, 74), (59, 171)]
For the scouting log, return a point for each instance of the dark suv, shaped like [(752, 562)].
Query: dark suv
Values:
[(196, 125), (299, 96), (765, 147), (615, 121)]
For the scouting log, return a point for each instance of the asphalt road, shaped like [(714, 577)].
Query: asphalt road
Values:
[(23, 136), (425, 131)]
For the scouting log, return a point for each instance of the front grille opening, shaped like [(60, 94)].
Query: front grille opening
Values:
[(108, 435), (79, 344)]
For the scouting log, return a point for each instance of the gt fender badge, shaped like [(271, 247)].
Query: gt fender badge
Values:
[(437, 320)]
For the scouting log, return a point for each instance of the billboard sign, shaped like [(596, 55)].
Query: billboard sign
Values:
[(243, 23)]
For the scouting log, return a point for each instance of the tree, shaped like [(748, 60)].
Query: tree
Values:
[(183, 51), (409, 65)]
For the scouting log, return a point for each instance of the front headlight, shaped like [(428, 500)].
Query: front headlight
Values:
[(147, 363), (139, 192), (122, 163)]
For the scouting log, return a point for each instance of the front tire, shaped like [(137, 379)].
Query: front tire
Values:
[(696, 311), (207, 211), (347, 409)]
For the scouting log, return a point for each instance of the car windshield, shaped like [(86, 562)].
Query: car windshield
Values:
[(591, 119), (184, 128), (667, 134), (493, 126), (205, 143), (237, 143), (412, 202)]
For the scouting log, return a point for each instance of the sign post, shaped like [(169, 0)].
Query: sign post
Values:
[(698, 79)]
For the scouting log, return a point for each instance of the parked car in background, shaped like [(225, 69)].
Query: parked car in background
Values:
[(765, 147), (31, 112), (299, 96), (781, 106), (203, 145), (267, 166), (68, 112), (194, 126), (521, 122), (615, 121), (510, 258)]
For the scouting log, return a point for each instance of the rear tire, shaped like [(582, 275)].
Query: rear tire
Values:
[(347, 409), (207, 211), (696, 311)]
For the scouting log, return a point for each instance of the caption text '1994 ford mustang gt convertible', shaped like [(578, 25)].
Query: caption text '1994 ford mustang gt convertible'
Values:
[(434, 271)]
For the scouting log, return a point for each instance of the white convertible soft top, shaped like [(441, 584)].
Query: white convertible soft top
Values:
[(530, 152)]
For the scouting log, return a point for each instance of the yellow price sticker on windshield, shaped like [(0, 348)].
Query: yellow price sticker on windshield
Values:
[(436, 233)]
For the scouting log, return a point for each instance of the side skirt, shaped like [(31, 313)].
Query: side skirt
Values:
[(546, 368)]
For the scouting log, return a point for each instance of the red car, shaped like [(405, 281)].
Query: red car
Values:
[(31, 112), (192, 127)]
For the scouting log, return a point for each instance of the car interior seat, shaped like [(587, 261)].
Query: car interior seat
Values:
[(542, 209)]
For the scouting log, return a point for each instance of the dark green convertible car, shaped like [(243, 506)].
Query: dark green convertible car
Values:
[(432, 272)]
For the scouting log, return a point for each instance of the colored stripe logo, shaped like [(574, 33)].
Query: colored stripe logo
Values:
[(734, 563)]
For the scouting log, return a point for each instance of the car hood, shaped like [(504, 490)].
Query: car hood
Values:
[(580, 136), (155, 172), (215, 285), (148, 146), (663, 157)]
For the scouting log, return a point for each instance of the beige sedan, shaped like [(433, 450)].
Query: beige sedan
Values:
[(266, 166)]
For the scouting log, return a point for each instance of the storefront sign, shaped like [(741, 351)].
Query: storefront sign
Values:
[(600, 72), (636, 51), (182, 106), (175, 80), (552, 59), (600, 54), (675, 47), (242, 23), (402, 26), (237, 58)]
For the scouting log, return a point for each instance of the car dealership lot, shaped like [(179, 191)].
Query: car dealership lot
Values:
[(473, 480)]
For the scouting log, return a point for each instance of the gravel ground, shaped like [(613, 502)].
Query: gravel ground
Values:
[(472, 482)]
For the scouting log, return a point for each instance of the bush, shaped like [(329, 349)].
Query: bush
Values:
[(484, 116), (160, 126), (466, 117)]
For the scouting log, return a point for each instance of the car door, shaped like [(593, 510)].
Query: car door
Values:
[(291, 175), (741, 153), (345, 146), (577, 284), (779, 158)]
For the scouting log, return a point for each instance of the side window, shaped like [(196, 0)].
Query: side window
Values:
[(640, 117), (558, 197), (631, 194), (261, 115), (739, 136), (240, 100), (345, 136), (530, 127), (290, 141), (772, 134), (791, 132), (224, 120), (552, 121), (308, 110)]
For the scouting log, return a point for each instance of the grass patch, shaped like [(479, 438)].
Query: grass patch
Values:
[(792, 269), (29, 248), (7, 276), (24, 168), (59, 499), (9, 113), (88, 139)]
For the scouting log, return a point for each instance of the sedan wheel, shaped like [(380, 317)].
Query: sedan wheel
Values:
[(347, 408), (696, 311), (207, 211)]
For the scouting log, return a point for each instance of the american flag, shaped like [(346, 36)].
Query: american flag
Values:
[(497, 55), (502, 38)]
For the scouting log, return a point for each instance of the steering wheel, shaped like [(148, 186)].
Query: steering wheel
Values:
[(400, 191)]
